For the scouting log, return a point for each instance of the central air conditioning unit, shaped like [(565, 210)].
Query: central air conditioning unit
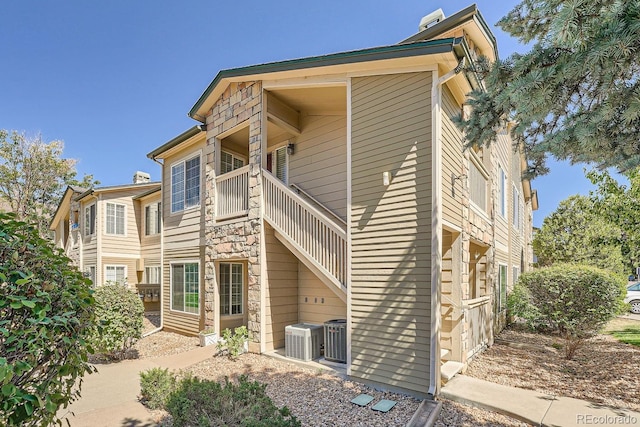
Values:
[(303, 341)]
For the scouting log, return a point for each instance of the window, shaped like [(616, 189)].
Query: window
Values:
[(115, 219), (115, 274), (502, 285), (152, 221), (516, 274), (185, 184), (90, 220), (152, 275), (90, 273), (280, 163), (231, 286), (502, 192), (478, 186), (515, 206), (185, 287), (230, 162)]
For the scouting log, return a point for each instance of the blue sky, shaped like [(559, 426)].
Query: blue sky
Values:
[(115, 79)]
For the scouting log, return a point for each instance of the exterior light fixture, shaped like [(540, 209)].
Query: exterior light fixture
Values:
[(291, 148)]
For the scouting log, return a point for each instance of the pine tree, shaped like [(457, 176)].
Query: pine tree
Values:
[(575, 94)]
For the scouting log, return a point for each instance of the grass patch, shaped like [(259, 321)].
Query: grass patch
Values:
[(624, 330)]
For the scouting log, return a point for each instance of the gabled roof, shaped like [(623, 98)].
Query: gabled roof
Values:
[(147, 193), (65, 200), (395, 51), (116, 188), (184, 136)]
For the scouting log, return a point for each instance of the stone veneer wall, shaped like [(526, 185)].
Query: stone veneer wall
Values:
[(237, 239)]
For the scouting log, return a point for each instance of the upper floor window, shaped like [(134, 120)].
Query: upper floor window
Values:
[(277, 163), (502, 192), (477, 183), (115, 219), (230, 162), (515, 206), (152, 221), (185, 184), (90, 220)]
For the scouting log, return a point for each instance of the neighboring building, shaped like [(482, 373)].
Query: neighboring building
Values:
[(338, 187), (113, 234)]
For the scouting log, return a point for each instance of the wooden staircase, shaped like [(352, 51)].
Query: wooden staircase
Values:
[(311, 235)]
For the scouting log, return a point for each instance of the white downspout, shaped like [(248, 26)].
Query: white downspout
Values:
[(436, 225)]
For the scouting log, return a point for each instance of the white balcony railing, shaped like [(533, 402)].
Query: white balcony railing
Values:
[(310, 230), (232, 194)]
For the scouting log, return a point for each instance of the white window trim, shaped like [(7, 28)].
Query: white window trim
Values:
[(244, 278), (502, 305), (235, 155), (514, 279), (84, 220), (87, 269), (106, 215), (503, 199), (182, 262), (515, 203), (273, 159), (126, 273), (144, 232), (183, 160), (477, 161)]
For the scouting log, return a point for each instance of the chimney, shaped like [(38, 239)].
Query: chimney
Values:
[(431, 19), (141, 177)]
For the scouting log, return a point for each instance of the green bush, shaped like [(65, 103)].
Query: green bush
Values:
[(119, 313), (46, 312), (208, 403), (156, 385), (572, 300)]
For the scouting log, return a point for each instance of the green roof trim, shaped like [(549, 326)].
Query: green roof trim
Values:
[(452, 22), (364, 55), (175, 141)]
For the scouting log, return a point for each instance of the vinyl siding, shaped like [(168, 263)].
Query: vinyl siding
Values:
[(130, 263), (391, 230), (452, 160), (319, 165), (281, 290), (129, 243), (177, 321), (316, 302)]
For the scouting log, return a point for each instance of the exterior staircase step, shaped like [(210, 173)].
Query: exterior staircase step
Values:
[(450, 369)]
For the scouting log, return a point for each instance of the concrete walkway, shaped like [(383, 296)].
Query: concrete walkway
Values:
[(110, 396), (533, 407)]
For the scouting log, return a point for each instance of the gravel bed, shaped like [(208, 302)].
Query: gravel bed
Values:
[(603, 371)]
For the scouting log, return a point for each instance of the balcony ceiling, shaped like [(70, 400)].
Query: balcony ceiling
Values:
[(319, 100)]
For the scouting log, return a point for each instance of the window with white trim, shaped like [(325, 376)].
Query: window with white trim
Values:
[(477, 185), (152, 275), (230, 162), (231, 288), (515, 207), (185, 184), (515, 274), (502, 287), (502, 192), (115, 219), (116, 274), (185, 287), (152, 220), (90, 220)]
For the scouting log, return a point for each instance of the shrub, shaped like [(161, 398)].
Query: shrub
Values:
[(233, 342), (572, 300), (208, 403), (119, 313), (156, 385), (46, 312)]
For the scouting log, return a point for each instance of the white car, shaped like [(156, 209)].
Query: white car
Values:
[(633, 297)]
